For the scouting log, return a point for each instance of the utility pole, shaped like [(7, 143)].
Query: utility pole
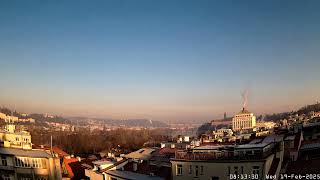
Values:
[(51, 145)]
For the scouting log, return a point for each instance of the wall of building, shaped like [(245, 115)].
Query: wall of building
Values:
[(268, 164), (92, 175), (243, 121), (50, 168), (218, 169)]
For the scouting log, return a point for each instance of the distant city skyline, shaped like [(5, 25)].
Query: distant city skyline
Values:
[(163, 60)]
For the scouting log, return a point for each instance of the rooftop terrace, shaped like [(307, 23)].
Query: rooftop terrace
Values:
[(237, 152)]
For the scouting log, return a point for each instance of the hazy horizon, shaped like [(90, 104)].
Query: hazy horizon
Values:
[(162, 60)]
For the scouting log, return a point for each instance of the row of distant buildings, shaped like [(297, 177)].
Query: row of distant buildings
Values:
[(241, 127), (15, 119)]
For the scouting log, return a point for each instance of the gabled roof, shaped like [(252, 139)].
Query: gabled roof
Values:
[(102, 162), (163, 155), (119, 163), (273, 138), (142, 154), (167, 151), (25, 152), (55, 149)]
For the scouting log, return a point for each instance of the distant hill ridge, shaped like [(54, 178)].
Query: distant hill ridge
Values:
[(43, 118), (147, 123)]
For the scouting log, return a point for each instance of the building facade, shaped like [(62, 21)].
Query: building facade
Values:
[(18, 161), (10, 137), (228, 162), (21, 164), (244, 120)]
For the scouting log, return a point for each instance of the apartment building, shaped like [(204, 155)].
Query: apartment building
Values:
[(222, 162), (19, 161), (10, 137), (22, 164), (3, 116), (143, 164)]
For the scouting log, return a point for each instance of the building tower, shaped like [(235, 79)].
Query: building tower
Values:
[(244, 120)]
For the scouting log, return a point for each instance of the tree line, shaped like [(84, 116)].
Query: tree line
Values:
[(86, 142)]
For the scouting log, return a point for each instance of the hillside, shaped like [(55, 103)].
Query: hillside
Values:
[(303, 110), (269, 117), (145, 123)]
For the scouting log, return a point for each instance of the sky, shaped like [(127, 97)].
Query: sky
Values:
[(164, 60)]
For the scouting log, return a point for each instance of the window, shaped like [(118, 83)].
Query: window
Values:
[(4, 161), (25, 178), (190, 169), (43, 163), (17, 139), (135, 166), (255, 170), (292, 157), (36, 163), (236, 170), (6, 177), (179, 169), (201, 170), (26, 162), (196, 171), (22, 162)]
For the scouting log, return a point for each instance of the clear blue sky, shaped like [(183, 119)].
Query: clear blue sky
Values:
[(165, 60)]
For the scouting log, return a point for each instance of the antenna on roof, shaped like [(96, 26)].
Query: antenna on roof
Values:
[(51, 145)]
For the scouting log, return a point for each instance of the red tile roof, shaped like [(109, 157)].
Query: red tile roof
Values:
[(218, 143), (75, 168), (60, 152), (55, 149), (165, 151)]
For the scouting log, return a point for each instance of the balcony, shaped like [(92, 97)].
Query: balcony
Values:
[(222, 156), (8, 168)]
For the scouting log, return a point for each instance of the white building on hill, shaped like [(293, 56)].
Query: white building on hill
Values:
[(244, 120)]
